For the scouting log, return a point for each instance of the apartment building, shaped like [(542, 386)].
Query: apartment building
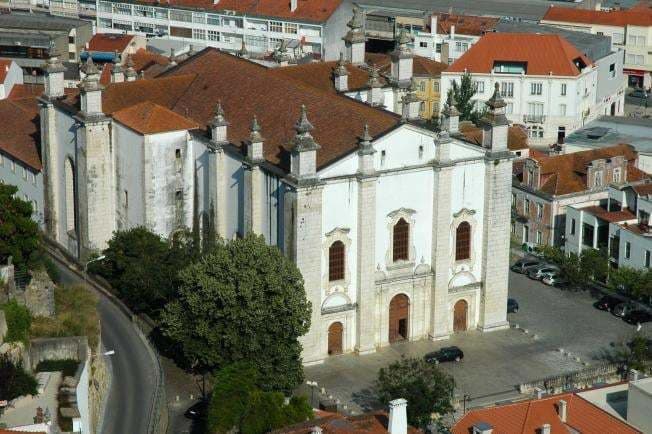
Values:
[(620, 224), (549, 86), (309, 27), (629, 29), (545, 186)]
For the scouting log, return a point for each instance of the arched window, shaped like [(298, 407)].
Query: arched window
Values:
[(336, 261), (401, 240), (463, 241), (71, 221)]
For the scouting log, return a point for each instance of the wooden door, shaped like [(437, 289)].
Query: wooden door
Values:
[(399, 310), (335, 332), (459, 316)]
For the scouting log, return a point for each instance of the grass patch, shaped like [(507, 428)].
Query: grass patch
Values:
[(67, 366), (18, 322), (76, 315)]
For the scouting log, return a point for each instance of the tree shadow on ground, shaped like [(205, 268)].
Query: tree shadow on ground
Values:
[(366, 400)]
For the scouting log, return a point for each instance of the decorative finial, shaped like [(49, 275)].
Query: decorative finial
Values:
[(90, 69), (255, 135), (496, 101), (218, 118), (303, 125), (340, 69), (373, 76)]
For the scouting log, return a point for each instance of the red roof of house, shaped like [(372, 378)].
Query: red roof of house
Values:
[(5, 64), (19, 135), (542, 54), (109, 42), (307, 10), (516, 137), (150, 118), (465, 24), (639, 16), (610, 216), (527, 417), (333, 423)]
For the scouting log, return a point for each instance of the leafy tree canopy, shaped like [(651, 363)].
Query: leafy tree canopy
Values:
[(238, 403), (425, 387), (242, 301), (18, 232), (14, 381), (632, 281), (142, 267)]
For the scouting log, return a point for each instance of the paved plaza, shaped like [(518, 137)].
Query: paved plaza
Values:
[(495, 363)]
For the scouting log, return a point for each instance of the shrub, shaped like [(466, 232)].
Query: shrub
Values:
[(14, 381), (18, 322)]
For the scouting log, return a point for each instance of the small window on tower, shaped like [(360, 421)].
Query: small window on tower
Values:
[(420, 151), (177, 154), (382, 158)]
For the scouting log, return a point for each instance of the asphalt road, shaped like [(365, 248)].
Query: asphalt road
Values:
[(133, 371)]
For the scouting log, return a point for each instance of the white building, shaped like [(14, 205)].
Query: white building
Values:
[(400, 234), (314, 27), (10, 75), (447, 36), (621, 224), (548, 85)]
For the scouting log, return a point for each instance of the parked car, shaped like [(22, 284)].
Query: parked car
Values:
[(555, 279), (512, 305), (623, 309), (639, 93), (608, 302), (539, 272), (637, 316), (446, 354), (522, 265), (197, 411)]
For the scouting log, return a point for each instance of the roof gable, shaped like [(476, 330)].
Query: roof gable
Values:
[(109, 42), (20, 133), (150, 118)]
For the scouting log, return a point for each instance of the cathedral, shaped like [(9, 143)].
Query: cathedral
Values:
[(400, 233)]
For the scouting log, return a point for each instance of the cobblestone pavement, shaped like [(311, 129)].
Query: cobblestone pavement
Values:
[(495, 363)]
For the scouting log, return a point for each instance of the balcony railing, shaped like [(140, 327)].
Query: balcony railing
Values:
[(534, 119)]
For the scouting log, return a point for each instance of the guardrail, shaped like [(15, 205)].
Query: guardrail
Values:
[(158, 413)]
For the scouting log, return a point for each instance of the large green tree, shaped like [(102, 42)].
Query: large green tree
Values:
[(14, 381), (142, 267), (463, 94), (242, 301), (425, 387), (18, 232), (632, 281), (237, 402)]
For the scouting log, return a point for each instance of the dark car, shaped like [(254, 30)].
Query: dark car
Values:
[(638, 316), (512, 305), (639, 93), (522, 265), (446, 354), (197, 410), (608, 302), (623, 309)]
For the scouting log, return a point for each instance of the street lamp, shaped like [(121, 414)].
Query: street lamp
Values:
[(99, 258)]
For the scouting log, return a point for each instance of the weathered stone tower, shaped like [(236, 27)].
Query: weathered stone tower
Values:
[(498, 185), (216, 168), (254, 180)]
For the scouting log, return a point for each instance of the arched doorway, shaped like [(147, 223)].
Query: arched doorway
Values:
[(399, 311), (70, 195), (459, 316), (335, 334)]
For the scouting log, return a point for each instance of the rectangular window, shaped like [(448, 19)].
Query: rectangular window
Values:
[(435, 86), (513, 199), (539, 211), (33, 177), (71, 39), (572, 228), (183, 16), (509, 108), (563, 89), (506, 89), (617, 38), (13, 166), (2, 160), (199, 34), (291, 28), (24, 174), (539, 237), (562, 109), (647, 258), (612, 70), (423, 44), (214, 20), (536, 88), (636, 59), (422, 86), (527, 206), (123, 25), (616, 175), (199, 18), (437, 48), (628, 249), (636, 40), (535, 109), (213, 35), (479, 86), (276, 26), (587, 235), (121, 9), (126, 199), (180, 32)]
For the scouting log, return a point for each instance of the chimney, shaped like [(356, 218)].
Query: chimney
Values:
[(562, 409), (316, 430), (374, 87), (341, 75), (633, 375), (539, 392), (482, 428), (545, 429), (452, 32), (303, 159), (293, 5), (397, 417), (218, 126), (433, 24), (54, 82), (255, 145)]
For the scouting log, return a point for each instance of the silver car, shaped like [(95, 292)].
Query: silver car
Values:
[(538, 272)]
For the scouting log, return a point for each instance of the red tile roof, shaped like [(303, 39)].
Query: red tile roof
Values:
[(150, 118), (152, 63), (527, 417), (307, 10), (516, 138), (566, 173), (543, 54), (643, 189), (20, 132), (465, 24), (109, 42), (191, 90), (640, 16), (370, 423), (610, 216), (5, 64)]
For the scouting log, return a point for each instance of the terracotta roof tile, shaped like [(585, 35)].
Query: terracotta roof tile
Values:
[(643, 189), (20, 136), (465, 24), (150, 118), (109, 42), (542, 54), (527, 417), (152, 63), (5, 64), (307, 10), (640, 16), (370, 423), (610, 216), (516, 138)]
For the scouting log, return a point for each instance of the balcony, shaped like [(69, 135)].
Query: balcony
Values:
[(534, 119)]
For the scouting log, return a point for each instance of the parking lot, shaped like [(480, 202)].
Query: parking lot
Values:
[(495, 363)]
